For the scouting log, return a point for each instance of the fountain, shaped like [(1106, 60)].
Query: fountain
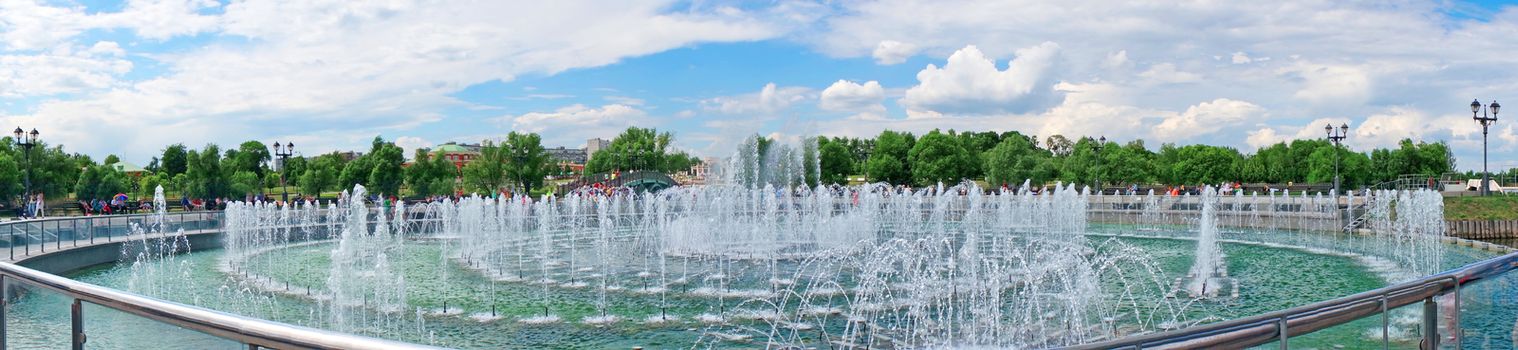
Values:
[(765, 260)]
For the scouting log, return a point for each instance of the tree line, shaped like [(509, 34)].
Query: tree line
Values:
[(1009, 158), (516, 163), (520, 163)]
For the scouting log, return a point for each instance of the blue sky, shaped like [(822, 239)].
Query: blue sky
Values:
[(127, 78)]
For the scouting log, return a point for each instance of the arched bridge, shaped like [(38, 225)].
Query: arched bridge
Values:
[(642, 181)]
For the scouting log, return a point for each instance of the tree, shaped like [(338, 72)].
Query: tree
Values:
[(250, 156), (836, 161), (204, 174), (111, 159), (386, 175), (429, 175), (245, 183), (1203, 164), (100, 182), (174, 159), (888, 162), (940, 158), (487, 174), (634, 149), (1017, 159), (148, 184), (292, 169), (321, 175), (527, 164), (10, 177)]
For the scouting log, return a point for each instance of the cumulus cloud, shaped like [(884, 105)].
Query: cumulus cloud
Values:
[(409, 144), (572, 125), (893, 52), (63, 70), (1206, 118), (337, 66), (1166, 73), (768, 100), (970, 81), (848, 96)]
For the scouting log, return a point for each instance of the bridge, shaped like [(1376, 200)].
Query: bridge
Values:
[(641, 181)]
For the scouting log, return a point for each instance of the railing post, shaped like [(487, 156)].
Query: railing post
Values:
[(1385, 325), (1430, 323), (1284, 334), (78, 320), (4, 304), (13, 246), (1454, 328)]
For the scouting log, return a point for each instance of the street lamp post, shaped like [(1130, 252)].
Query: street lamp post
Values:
[(26, 141), (284, 154), (1486, 121), (1098, 173), (1338, 139)]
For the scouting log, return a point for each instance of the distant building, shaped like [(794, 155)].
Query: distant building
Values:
[(594, 145), (349, 156), (569, 155), (457, 153)]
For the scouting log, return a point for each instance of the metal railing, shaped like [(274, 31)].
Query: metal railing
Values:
[(1281, 325), (21, 238), (252, 332)]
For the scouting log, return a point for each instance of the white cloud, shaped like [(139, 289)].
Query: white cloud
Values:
[(1206, 118), (1330, 84), (33, 25), (848, 96), (1166, 73), (971, 82), (893, 52), (768, 100), (1117, 59), (63, 70), (409, 144), (340, 66), (1241, 58), (574, 124)]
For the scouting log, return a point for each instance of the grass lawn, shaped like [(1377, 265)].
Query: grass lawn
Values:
[(1496, 207)]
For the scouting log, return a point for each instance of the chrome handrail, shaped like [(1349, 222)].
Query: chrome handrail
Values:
[(256, 333), (1272, 326), (251, 331)]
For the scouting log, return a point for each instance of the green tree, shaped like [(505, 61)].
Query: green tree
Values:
[(940, 158), (321, 175), (487, 174), (250, 156), (527, 164), (204, 174), (174, 159), (888, 161), (147, 184), (245, 183), (10, 178), (836, 161), (387, 175), (634, 149), (111, 159), (100, 182), (1017, 159), (429, 175), (293, 168)]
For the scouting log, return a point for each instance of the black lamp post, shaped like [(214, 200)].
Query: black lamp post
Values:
[(284, 154), (27, 141), (1337, 137), (1098, 172), (1486, 121)]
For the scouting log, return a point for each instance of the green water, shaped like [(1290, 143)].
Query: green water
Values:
[(1269, 278)]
